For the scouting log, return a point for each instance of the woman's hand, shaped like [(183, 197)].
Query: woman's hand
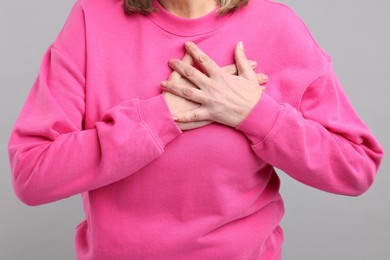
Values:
[(179, 105), (221, 96)]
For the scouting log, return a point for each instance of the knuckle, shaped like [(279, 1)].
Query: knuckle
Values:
[(202, 59), (231, 70), (187, 92), (194, 116), (218, 73), (189, 71)]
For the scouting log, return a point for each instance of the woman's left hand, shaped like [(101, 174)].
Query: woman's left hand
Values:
[(223, 97)]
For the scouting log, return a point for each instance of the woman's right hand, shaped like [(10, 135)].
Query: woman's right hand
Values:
[(179, 105)]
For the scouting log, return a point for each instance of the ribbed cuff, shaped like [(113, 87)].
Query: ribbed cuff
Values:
[(261, 120), (157, 117)]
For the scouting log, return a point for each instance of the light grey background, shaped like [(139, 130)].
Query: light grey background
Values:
[(317, 225)]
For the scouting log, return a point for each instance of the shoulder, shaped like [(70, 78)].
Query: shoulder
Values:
[(285, 37), (276, 15), (98, 4), (89, 3), (284, 27), (100, 8), (88, 16)]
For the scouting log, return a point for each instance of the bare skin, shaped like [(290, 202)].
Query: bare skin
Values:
[(218, 96), (223, 95), (189, 8), (179, 105)]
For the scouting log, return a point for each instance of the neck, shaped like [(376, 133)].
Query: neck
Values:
[(189, 8)]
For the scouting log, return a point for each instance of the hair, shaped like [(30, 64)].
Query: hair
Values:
[(146, 6)]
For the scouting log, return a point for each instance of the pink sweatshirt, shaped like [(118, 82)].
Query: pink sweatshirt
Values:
[(96, 123)]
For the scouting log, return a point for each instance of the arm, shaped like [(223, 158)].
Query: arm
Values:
[(52, 156), (323, 143)]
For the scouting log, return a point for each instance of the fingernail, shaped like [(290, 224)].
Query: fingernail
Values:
[(241, 45), (265, 77), (253, 64), (163, 83), (172, 63), (187, 45)]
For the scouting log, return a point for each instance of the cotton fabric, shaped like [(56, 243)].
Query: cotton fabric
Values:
[(96, 123)]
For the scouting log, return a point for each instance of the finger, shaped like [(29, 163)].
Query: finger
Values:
[(206, 63), (232, 69), (199, 114), (189, 93), (253, 64), (192, 74), (262, 78), (243, 65), (187, 59)]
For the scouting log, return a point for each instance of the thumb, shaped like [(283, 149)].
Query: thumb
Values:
[(243, 65)]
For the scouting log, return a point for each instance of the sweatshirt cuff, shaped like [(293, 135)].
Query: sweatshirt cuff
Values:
[(261, 120), (157, 117)]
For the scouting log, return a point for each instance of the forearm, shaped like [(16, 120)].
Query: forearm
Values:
[(126, 139), (309, 152)]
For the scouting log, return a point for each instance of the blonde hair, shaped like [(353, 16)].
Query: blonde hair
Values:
[(146, 6)]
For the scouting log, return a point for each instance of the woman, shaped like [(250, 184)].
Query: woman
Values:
[(156, 116)]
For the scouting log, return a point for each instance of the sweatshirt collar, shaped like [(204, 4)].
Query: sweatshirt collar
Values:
[(185, 26)]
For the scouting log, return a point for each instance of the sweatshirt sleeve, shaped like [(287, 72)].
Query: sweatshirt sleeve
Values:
[(318, 139), (323, 143), (52, 156)]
